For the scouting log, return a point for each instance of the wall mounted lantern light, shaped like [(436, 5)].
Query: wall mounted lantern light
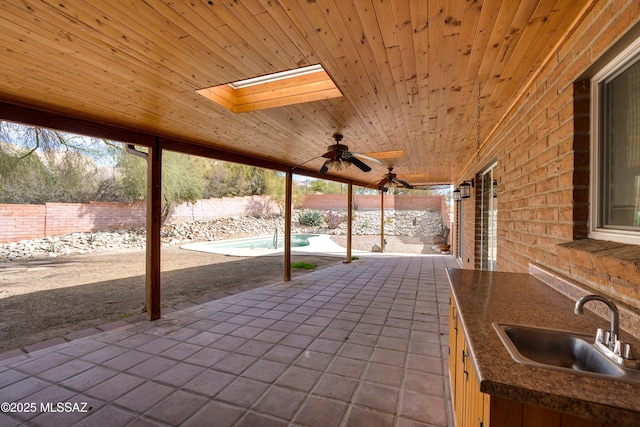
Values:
[(465, 189), (495, 188), (456, 195)]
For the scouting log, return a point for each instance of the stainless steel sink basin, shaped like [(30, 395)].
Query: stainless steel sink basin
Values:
[(561, 350)]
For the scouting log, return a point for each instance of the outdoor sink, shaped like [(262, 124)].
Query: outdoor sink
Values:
[(560, 350)]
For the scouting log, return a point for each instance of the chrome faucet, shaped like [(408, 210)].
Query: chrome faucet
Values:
[(615, 316)]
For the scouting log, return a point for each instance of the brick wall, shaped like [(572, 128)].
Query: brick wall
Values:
[(225, 207), (372, 202), (65, 218), (21, 222), (542, 153)]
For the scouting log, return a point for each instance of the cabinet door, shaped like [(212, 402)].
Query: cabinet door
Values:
[(461, 357), (474, 399), (453, 336)]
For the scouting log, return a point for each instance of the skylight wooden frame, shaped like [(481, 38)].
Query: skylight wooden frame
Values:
[(295, 89)]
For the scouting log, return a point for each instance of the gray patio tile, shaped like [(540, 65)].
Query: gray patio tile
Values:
[(255, 348), (425, 363), (280, 402), (391, 343), (252, 420), (114, 387), (321, 412), (242, 392), (265, 370), (179, 374), (224, 415), (347, 367), (176, 408), (181, 351), (424, 408), (152, 367), (359, 417), (384, 374), (296, 340), (204, 338), (66, 370), (425, 383), (144, 397), (127, 360), (157, 345), (108, 415), (335, 387), (87, 379), (228, 343), (209, 383), (246, 332), (84, 406), (325, 346), (356, 351), (377, 397), (234, 363), (282, 353), (426, 348), (271, 336), (299, 378), (284, 326), (41, 364)]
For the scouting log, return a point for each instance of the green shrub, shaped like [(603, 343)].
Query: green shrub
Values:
[(310, 218), (303, 265)]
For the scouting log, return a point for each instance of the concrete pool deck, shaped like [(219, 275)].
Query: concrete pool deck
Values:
[(319, 245)]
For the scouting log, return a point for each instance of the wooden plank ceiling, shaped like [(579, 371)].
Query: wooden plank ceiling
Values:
[(409, 71)]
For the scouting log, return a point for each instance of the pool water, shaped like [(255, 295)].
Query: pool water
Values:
[(297, 240)]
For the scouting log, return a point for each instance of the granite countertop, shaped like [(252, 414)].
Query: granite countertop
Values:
[(483, 298)]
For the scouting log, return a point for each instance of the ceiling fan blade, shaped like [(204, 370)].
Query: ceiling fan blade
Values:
[(325, 167), (365, 157), (403, 183), (361, 165)]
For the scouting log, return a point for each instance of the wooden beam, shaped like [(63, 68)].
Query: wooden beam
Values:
[(287, 225), (381, 221), (66, 123), (154, 224), (349, 220)]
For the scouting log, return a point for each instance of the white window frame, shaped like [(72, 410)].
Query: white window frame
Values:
[(627, 56)]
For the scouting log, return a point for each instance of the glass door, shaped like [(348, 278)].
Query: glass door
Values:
[(489, 221)]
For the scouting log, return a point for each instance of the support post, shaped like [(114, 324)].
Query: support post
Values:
[(349, 221), (287, 225), (381, 221), (154, 223)]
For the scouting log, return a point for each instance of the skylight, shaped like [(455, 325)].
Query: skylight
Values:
[(394, 154), (295, 86)]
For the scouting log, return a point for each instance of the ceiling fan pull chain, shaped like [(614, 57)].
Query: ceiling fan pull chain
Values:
[(478, 125)]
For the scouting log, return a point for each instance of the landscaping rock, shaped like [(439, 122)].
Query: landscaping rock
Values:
[(397, 223)]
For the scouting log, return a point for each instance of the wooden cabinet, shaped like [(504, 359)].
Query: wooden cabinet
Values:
[(475, 409), (468, 401)]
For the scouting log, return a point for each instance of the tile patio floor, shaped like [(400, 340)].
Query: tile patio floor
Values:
[(361, 344)]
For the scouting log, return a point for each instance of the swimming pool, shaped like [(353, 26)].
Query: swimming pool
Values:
[(267, 242), (266, 245)]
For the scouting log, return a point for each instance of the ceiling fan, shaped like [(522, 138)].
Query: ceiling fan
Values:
[(339, 157), (393, 181)]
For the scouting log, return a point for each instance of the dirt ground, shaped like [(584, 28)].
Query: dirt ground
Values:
[(47, 298)]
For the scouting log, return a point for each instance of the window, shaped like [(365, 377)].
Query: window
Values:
[(615, 211)]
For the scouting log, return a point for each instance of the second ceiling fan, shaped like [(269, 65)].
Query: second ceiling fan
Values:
[(390, 179)]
